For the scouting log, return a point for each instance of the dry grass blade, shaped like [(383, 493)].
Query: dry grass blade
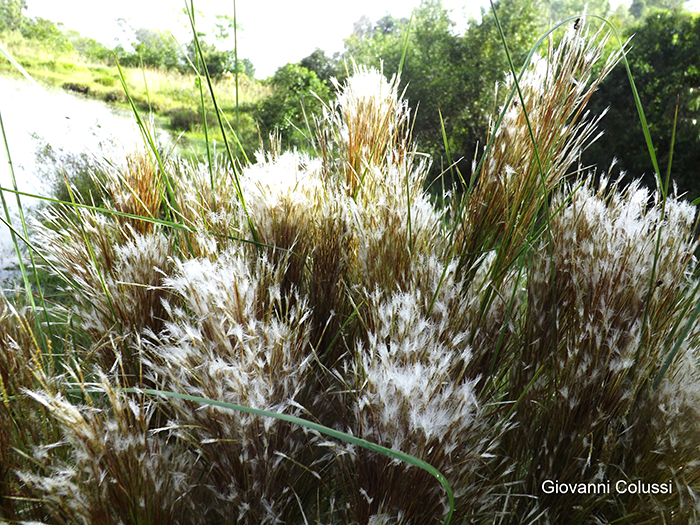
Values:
[(512, 187)]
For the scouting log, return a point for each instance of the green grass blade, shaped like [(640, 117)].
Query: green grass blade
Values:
[(673, 144), (394, 454), (690, 325), (456, 219), (37, 251), (95, 263), (219, 113), (405, 44), (652, 281), (20, 261), (540, 169), (18, 66), (446, 142), (210, 161), (663, 188), (340, 331), (520, 398), (149, 139), (154, 220), (235, 60)]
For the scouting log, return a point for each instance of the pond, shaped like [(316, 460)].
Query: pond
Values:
[(35, 118)]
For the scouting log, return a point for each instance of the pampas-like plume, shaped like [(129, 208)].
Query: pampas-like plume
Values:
[(117, 470), (613, 329), (538, 140), (237, 338)]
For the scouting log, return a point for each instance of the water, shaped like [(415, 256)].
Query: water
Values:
[(33, 117)]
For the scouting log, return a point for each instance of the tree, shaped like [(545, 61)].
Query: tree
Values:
[(47, 33), (89, 47), (157, 49), (376, 44), (666, 67), (561, 9), (640, 8), (11, 17), (246, 67), (325, 67), (293, 104)]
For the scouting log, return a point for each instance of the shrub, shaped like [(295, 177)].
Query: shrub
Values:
[(183, 119)]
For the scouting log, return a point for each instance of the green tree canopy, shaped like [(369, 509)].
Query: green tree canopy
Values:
[(665, 61), (157, 49), (11, 16), (293, 103), (561, 9), (324, 66), (47, 32)]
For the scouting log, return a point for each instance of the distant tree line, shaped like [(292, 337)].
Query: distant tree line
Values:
[(450, 79), (151, 47), (158, 49)]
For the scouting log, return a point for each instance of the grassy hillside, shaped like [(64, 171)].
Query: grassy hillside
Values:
[(173, 97)]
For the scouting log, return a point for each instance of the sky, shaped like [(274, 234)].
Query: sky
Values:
[(273, 32)]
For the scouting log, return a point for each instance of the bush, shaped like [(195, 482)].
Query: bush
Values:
[(184, 119), (105, 79), (296, 98)]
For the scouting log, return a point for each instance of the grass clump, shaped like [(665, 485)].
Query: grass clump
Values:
[(537, 328)]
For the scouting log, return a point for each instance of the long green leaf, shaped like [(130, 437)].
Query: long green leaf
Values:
[(20, 261), (394, 454), (405, 45), (162, 222), (219, 114)]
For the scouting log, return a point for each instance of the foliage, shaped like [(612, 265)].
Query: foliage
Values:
[(664, 59), (48, 33), (11, 17), (297, 96), (562, 9), (641, 8), (155, 49), (89, 48), (325, 67), (519, 334), (448, 73), (218, 62), (451, 76)]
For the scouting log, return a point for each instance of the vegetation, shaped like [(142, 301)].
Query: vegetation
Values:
[(534, 327), (664, 57), (161, 76), (448, 77)]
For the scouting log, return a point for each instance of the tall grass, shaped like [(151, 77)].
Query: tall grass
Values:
[(508, 339)]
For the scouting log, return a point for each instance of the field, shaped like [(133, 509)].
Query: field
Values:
[(173, 98)]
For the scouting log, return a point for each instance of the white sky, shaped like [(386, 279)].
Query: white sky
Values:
[(273, 32)]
